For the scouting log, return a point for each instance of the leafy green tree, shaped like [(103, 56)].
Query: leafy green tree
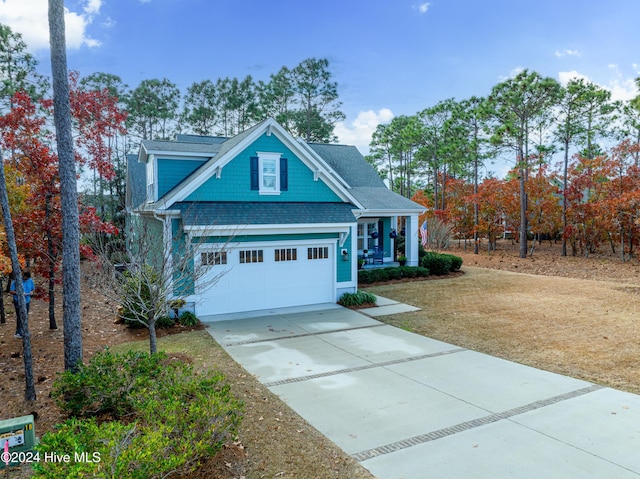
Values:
[(17, 69), (573, 106), (153, 109), (597, 121), (516, 104), (200, 112), (393, 152), (276, 98), (243, 103), (316, 99), (473, 115)]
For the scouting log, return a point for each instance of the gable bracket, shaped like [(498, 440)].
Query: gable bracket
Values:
[(343, 238)]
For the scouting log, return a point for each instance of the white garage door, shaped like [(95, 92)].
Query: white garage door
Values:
[(261, 276)]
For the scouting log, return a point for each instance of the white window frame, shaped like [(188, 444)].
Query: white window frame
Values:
[(285, 254), (263, 160), (213, 258), (251, 256)]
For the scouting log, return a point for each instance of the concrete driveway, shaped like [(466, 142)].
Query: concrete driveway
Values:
[(406, 406)]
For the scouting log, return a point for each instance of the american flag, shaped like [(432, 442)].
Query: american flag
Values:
[(423, 233)]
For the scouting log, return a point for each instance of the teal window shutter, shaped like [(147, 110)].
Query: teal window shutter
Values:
[(284, 175), (255, 176)]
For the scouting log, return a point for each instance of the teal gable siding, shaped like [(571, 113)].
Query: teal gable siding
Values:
[(235, 181), (172, 172)]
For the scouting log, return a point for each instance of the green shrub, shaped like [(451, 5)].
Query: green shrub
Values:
[(108, 384), (408, 272), (456, 262), (385, 274), (166, 418), (393, 273), (437, 264), (165, 322), (421, 272), (356, 299), (188, 319)]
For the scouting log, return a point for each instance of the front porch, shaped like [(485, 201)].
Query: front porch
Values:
[(378, 238)]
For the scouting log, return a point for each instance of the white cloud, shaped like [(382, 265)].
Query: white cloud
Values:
[(29, 18), (422, 8), (571, 53), (564, 77), (512, 74), (359, 131), (621, 87)]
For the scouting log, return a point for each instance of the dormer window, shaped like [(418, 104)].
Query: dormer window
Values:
[(269, 175)]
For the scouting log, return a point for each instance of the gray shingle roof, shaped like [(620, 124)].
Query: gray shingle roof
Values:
[(366, 185), (349, 163), (209, 140), (206, 149), (262, 213)]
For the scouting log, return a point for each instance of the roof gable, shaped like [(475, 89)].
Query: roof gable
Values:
[(234, 181), (237, 146)]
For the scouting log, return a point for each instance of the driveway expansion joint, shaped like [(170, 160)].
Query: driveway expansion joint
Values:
[(302, 335), (363, 368), (467, 425)]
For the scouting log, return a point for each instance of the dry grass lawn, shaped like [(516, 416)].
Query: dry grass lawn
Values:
[(582, 328)]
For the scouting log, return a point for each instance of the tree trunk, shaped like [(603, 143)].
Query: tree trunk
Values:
[(564, 197), (68, 190), (476, 206), (52, 269), (523, 216), (29, 388), (3, 316), (153, 339)]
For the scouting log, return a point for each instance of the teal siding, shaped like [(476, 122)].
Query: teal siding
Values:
[(172, 172), (235, 182), (183, 266), (343, 267), (388, 242)]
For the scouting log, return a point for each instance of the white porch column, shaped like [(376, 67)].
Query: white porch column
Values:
[(411, 240)]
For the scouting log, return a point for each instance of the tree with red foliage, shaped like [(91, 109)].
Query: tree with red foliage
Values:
[(39, 228)]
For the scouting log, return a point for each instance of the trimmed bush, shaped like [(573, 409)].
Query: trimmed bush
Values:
[(385, 274), (456, 262), (438, 264), (356, 299)]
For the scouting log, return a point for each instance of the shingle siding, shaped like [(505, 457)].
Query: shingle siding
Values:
[(235, 181)]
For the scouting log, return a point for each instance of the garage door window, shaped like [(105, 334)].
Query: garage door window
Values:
[(318, 253), (286, 254), (251, 256), (211, 258)]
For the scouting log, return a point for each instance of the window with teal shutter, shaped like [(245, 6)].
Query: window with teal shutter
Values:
[(255, 173), (284, 175)]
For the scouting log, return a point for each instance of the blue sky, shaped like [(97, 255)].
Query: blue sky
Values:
[(389, 57)]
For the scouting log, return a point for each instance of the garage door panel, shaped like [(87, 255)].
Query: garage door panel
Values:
[(271, 283)]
